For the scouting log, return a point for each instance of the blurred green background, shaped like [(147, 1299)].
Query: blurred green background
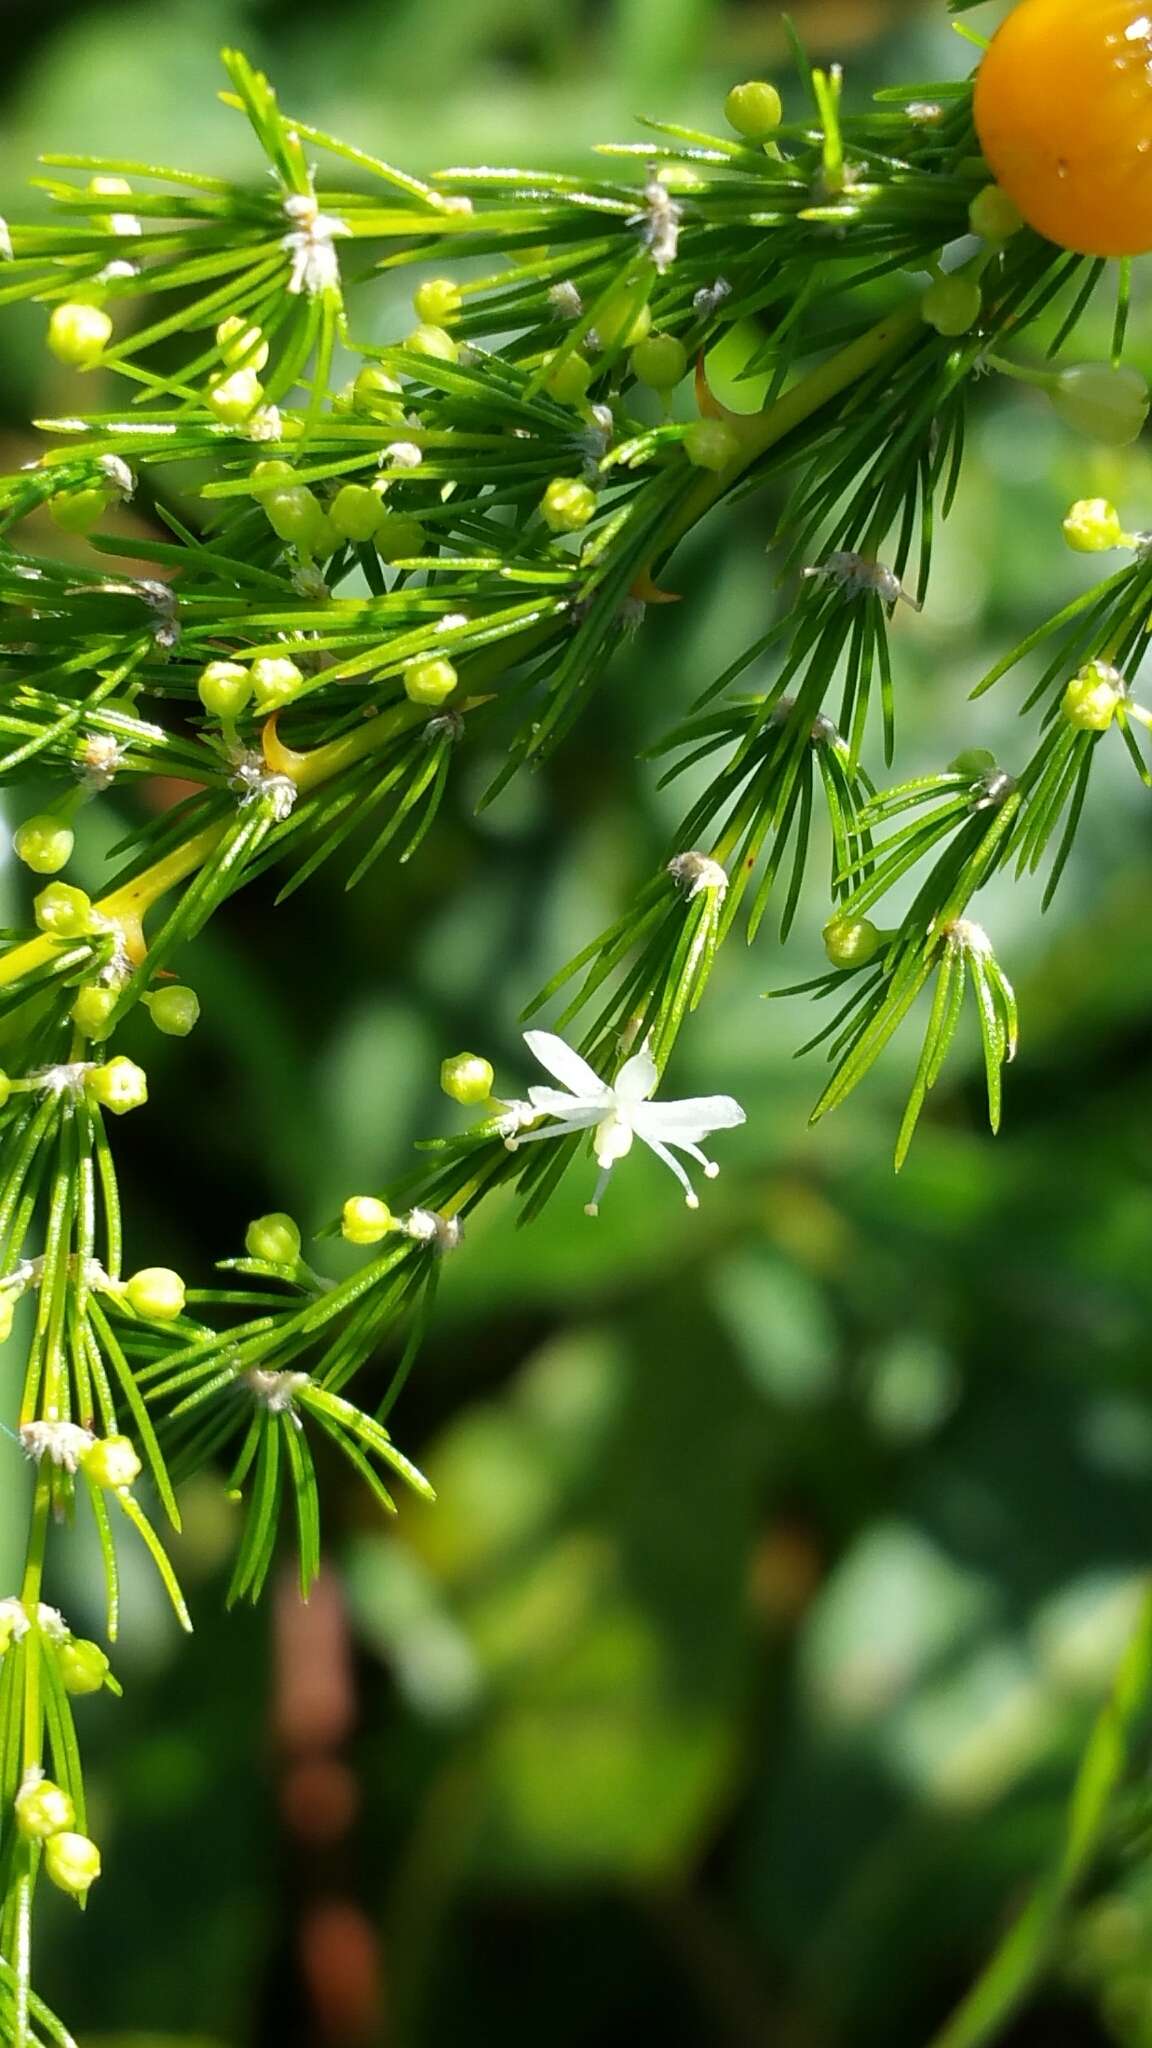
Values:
[(732, 1691)]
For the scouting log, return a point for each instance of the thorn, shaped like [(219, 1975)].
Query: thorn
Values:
[(280, 759), (648, 592)]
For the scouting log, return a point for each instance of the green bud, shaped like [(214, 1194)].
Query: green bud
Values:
[(1092, 526), (356, 512), (567, 504), (430, 680), (5, 1087), (271, 475), (175, 1011), (437, 301), (1092, 699), (620, 322), (235, 398), (365, 1220), (754, 110), (78, 334), (973, 761), (993, 215), (377, 391), (43, 1809), (274, 1238), (467, 1078), (78, 511), (62, 911), (275, 681), (224, 688), (661, 361), (241, 343), (429, 340), (952, 305), (92, 1009), (43, 843), (567, 379), (72, 1862), (295, 516), (82, 1665), (1108, 402), (851, 941), (155, 1292), (113, 1461), (398, 539), (119, 1085), (711, 444)]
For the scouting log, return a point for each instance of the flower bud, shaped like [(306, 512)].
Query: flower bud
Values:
[(175, 1011), (467, 1078), (710, 444), (377, 391), (1092, 699), (952, 305), (620, 322), (1108, 402), (78, 511), (43, 1809), (78, 334), (365, 1220), (275, 681), (224, 688), (273, 474), (295, 516), (567, 379), (112, 1460), (430, 340), (398, 539), (437, 301), (973, 761), (274, 1238), (82, 1665), (993, 215), (242, 344), (5, 1087), (851, 941), (567, 504), (661, 361), (1092, 526), (43, 843), (72, 1862), (155, 1292), (119, 1085), (754, 110), (62, 911), (356, 512), (235, 398), (430, 680), (92, 1009)]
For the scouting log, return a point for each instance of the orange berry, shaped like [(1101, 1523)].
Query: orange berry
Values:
[(1063, 110)]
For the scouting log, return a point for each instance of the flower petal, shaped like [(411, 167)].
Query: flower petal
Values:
[(565, 1066), (637, 1077), (554, 1102), (687, 1121)]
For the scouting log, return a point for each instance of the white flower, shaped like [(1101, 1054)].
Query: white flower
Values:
[(616, 1114), (315, 269), (62, 1443)]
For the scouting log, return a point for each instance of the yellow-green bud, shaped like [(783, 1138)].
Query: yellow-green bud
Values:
[(437, 301), (620, 322), (82, 1665), (365, 1220), (1092, 699), (295, 515), (119, 1085), (112, 1461), (398, 539), (430, 340), (993, 215), (1109, 402), (43, 1809), (567, 378), (224, 688), (377, 391), (467, 1078), (78, 334), (710, 444), (1092, 526), (78, 511), (274, 1238), (430, 680), (155, 1292), (754, 110), (661, 361), (63, 911), (72, 1862), (92, 1009), (952, 305), (235, 398), (851, 941), (5, 1087), (356, 512), (175, 1011), (275, 681), (43, 843), (567, 504), (973, 761), (271, 475), (242, 344)]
